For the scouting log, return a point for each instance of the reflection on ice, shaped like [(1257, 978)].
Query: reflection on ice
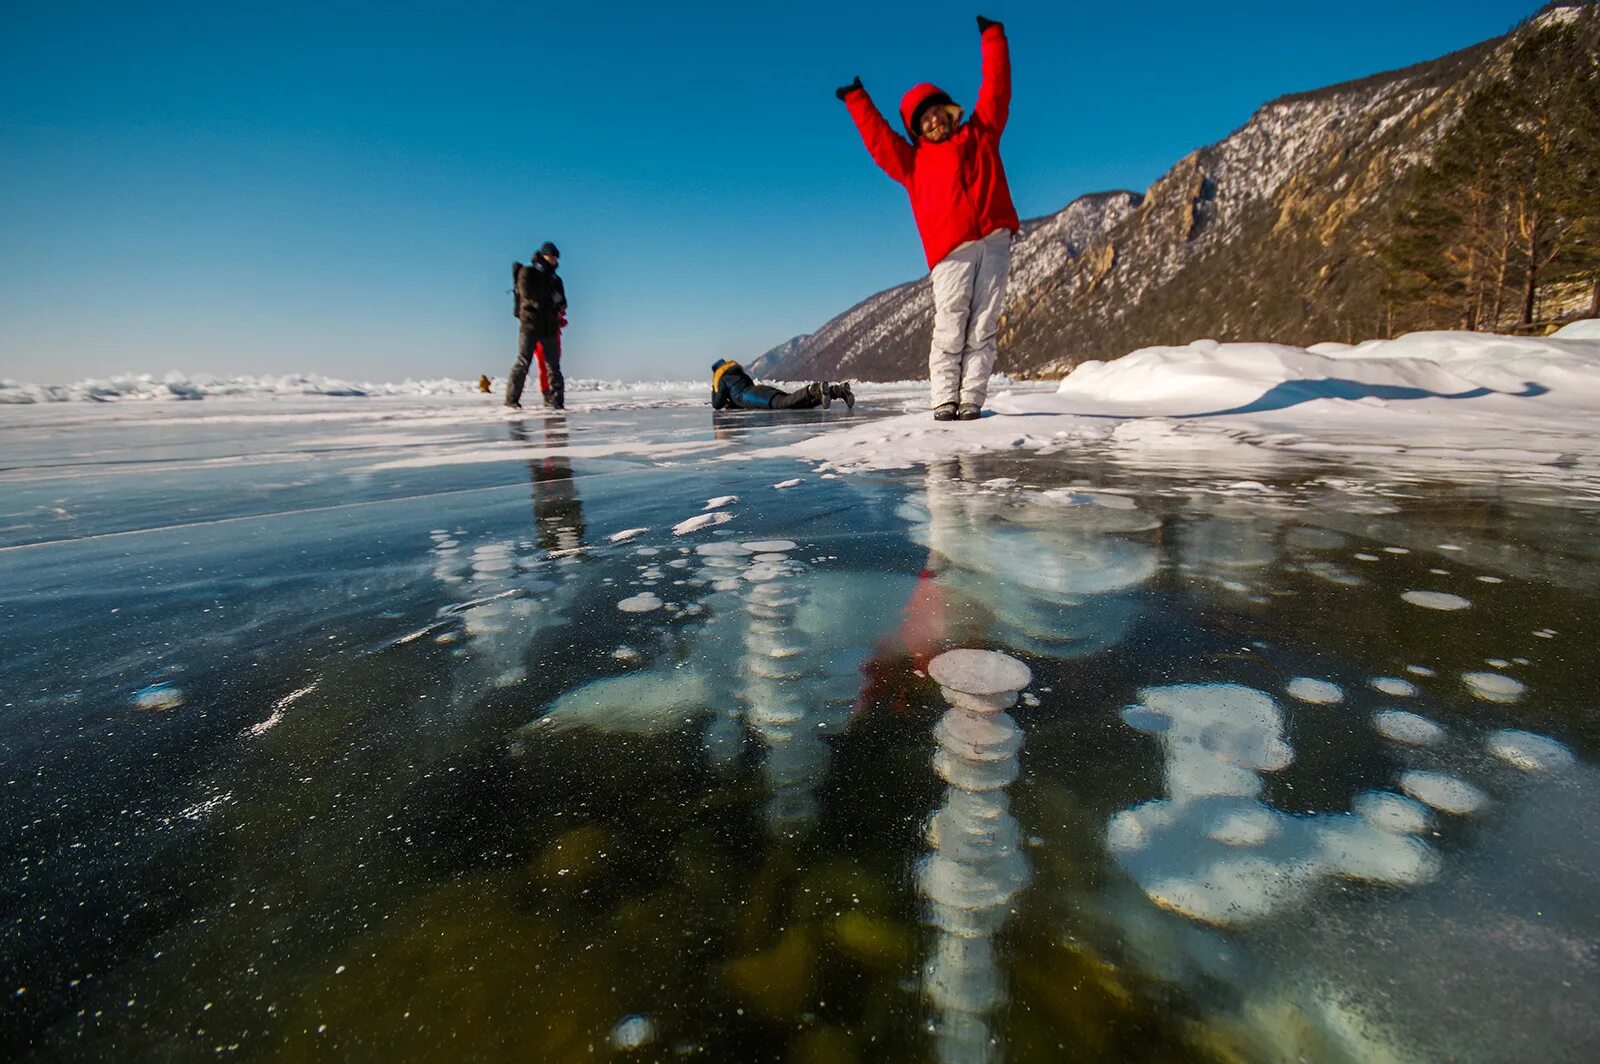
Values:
[(1044, 567)]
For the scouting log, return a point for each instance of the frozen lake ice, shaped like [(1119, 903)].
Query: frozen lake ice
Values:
[(395, 728)]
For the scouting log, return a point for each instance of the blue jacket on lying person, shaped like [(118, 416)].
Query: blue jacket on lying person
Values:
[(732, 388)]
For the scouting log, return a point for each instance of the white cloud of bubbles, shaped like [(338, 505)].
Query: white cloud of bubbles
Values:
[(1212, 849)]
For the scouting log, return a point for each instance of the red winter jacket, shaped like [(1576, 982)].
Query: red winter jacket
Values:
[(958, 187)]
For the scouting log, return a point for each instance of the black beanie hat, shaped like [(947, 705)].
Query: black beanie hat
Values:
[(550, 249), (929, 102)]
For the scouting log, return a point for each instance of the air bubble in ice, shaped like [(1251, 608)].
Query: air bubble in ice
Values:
[(1444, 792), (766, 546), (1317, 692), (979, 672), (1392, 812), (722, 549), (1527, 751), (1394, 686), (1435, 600), (633, 1032), (1405, 727), (1493, 686), (643, 602)]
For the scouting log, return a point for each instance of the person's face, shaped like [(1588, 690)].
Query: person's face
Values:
[(551, 261), (937, 124)]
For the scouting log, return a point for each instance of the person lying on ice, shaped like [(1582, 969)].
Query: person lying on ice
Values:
[(733, 388), (964, 214)]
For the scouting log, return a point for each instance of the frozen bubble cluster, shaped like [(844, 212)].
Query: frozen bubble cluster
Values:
[(1493, 686), (1527, 751), (1444, 792), (1403, 727), (644, 602), (1316, 692), (1435, 600), (975, 866), (1213, 850)]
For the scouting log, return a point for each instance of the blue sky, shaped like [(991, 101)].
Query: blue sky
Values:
[(341, 188)]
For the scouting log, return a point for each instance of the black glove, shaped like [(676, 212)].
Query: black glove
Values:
[(985, 23), (848, 89)]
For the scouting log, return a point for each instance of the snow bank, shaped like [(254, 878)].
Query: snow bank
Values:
[(1587, 329), (1435, 396), (1206, 377)]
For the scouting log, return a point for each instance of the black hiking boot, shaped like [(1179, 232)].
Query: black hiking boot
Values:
[(842, 391), (819, 392), (944, 412), (969, 412)]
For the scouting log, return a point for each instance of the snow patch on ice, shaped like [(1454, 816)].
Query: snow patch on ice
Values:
[(695, 524)]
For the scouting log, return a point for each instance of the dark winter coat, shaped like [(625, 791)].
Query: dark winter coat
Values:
[(728, 382), (541, 298), (958, 187)]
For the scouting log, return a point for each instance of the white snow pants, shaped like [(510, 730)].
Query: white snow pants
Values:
[(969, 287)]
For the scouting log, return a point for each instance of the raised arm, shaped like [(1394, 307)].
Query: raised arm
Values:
[(888, 149), (994, 95)]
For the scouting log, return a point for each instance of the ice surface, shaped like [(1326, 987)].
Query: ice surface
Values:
[(356, 645)]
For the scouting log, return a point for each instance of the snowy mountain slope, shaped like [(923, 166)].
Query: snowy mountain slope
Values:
[(1269, 232)]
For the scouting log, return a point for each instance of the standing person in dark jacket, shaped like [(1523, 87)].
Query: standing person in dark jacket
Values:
[(733, 388), (964, 213), (541, 305)]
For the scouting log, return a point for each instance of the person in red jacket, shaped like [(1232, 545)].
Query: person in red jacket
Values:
[(964, 213)]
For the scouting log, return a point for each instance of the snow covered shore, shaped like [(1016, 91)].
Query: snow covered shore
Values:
[(1440, 395)]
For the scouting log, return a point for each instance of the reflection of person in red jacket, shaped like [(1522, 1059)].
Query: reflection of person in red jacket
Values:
[(963, 210)]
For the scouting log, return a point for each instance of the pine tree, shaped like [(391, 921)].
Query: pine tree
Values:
[(1511, 200)]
